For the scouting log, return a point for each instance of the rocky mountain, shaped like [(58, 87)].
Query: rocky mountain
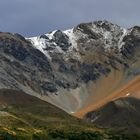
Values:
[(66, 67), (88, 71)]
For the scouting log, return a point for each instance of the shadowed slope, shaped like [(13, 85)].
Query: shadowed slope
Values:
[(121, 114)]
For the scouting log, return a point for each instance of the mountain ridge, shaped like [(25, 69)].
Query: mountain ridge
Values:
[(65, 67), (80, 72)]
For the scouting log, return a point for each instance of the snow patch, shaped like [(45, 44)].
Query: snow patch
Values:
[(93, 120), (109, 35), (128, 94), (40, 44), (121, 43), (50, 36), (72, 38), (73, 49), (72, 112)]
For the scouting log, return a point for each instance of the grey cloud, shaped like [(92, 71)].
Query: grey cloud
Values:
[(34, 17)]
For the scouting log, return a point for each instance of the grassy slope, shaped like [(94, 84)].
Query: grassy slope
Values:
[(23, 117)]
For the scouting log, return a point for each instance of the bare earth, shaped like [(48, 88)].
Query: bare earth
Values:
[(132, 88)]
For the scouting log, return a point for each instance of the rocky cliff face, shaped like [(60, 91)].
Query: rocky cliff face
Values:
[(66, 68)]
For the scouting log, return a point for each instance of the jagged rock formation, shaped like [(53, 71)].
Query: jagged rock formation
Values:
[(71, 69)]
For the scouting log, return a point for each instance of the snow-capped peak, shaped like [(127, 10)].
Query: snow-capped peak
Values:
[(65, 42), (47, 44)]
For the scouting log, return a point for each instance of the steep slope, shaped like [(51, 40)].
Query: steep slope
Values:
[(25, 117), (71, 69), (107, 52), (131, 89), (89, 71), (121, 115)]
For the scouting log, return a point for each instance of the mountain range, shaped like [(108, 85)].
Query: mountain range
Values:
[(87, 78)]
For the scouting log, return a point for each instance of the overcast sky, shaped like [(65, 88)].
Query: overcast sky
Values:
[(35, 17)]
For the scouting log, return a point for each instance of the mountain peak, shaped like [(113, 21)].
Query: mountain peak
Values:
[(93, 67), (63, 42), (69, 61)]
